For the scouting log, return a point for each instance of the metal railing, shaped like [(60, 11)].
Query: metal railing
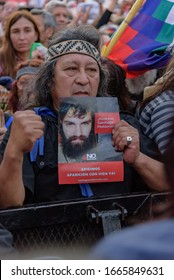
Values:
[(79, 223)]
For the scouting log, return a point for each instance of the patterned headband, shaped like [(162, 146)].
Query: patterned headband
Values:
[(26, 71), (73, 46)]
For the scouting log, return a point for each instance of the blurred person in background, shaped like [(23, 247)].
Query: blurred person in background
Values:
[(104, 23), (6, 10), (92, 7), (25, 71), (36, 3), (20, 92), (117, 85), (155, 113), (46, 23), (60, 11), (21, 32)]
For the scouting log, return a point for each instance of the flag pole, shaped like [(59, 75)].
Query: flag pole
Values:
[(135, 8)]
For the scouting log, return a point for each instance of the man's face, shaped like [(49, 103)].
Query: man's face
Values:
[(75, 75), (61, 16), (76, 131)]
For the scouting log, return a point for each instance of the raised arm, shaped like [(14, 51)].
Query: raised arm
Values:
[(151, 170), (26, 128), (105, 16)]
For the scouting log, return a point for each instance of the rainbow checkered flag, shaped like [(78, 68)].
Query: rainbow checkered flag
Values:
[(144, 45)]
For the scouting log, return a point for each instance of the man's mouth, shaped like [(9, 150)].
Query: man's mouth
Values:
[(77, 140), (81, 93)]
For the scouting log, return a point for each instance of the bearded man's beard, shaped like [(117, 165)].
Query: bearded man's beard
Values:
[(74, 150)]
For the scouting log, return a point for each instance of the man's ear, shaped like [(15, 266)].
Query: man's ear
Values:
[(49, 32)]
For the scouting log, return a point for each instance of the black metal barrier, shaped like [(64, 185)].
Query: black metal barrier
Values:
[(79, 223)]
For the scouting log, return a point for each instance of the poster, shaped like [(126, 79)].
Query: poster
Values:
[(85, 150)]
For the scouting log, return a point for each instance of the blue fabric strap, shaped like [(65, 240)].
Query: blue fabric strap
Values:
[(44, 111), (8, 122), (38, 148), (86, 190)]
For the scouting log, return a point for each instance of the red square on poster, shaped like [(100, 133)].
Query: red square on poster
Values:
[(104, 122)]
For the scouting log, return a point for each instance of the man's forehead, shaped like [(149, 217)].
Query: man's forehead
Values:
[(76, 58), (58, 9), (73, 112)]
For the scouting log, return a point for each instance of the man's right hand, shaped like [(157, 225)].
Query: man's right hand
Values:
[(26, 128)]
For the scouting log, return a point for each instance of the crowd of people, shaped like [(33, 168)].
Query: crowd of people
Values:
[(52, 50)]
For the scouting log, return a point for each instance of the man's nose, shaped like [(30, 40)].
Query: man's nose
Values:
[(61, 19), (78, 131), (82, 77)]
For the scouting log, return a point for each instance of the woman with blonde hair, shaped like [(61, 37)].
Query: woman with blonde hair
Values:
[(20, 33)]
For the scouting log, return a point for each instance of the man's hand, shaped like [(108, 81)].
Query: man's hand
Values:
[(120, 133), (27, 127)]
